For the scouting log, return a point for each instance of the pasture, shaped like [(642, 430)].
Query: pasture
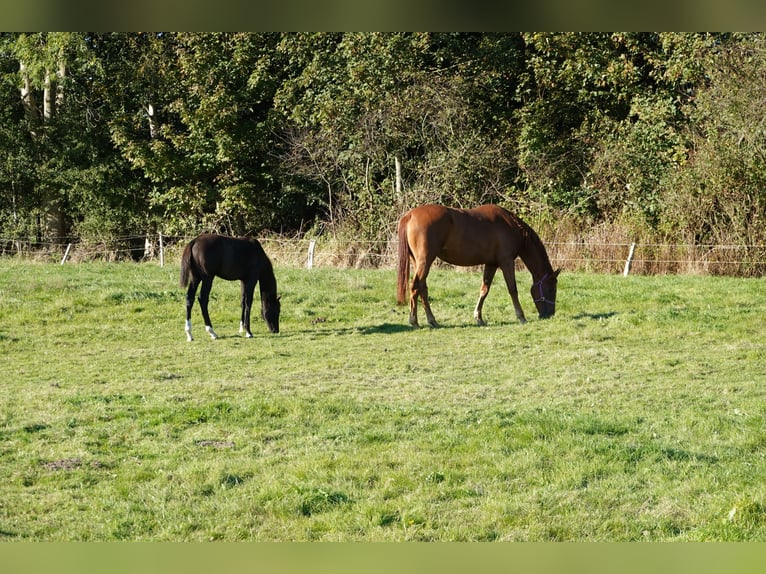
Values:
[(636, 414)]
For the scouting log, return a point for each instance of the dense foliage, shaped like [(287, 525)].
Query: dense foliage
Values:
[(660, 135)]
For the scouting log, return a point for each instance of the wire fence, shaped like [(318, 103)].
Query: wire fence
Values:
[(588, 256)]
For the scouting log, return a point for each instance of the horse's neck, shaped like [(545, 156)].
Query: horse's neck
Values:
[(268, 282), (536, 260)]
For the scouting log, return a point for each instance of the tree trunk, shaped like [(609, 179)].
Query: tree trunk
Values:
[(152, 121), (28, 96), (60, 77), (398, 182), (47, 97)]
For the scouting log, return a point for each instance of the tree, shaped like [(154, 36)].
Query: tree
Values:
[(719, 196), (384, 121), (113, 134), (201, 129), (19, 206), (52, 68)]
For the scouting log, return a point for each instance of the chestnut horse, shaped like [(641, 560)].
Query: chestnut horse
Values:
[(230, 258), (488, 235)]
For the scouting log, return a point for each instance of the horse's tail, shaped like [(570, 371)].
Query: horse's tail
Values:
[(403, 274), (186, 263)]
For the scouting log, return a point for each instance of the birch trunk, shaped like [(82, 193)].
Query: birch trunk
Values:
[(47, 97), (60, 77), (398, 183), (27, 95), (152, 121)]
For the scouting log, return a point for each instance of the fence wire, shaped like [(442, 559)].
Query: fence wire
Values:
[(599, 257)]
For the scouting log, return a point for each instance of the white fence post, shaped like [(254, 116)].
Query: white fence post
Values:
[(629, 260), (66, 253), (310, 261), (162, 252)]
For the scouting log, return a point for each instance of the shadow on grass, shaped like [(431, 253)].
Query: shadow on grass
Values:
[(382, 329), (595, 316), (391, 328), (682, 455), (326, 328), (385, 329)]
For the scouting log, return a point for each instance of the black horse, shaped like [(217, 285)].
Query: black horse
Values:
[(229, 258)]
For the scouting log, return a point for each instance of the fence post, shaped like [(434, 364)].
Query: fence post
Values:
[(162, 252), (66, 253), (310, 261), (629, 260)]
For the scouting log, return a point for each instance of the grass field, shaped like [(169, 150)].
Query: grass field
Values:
[(637, 413)]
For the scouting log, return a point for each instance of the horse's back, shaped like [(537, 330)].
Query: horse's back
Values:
[(432, 215), (230, 258), (429, 217), (465, 237)]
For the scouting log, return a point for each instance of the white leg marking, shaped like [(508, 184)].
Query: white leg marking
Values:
[(188, 330), (211, 332)]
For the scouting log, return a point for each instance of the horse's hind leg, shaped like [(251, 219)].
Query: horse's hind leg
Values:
[(486, 283), (420, 289), (415, 288), (414, 293), (189, 304), (204, 298), (427, 306)]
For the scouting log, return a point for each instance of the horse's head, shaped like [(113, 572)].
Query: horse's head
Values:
[(270, 307), (544, 294)]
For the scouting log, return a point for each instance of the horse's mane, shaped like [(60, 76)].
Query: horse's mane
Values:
[(268, 280), (532, 242)]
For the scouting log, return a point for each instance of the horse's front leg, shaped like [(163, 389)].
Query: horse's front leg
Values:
[(247, 305), (242, 307), (486, 283), (204, 298), (509, 273)]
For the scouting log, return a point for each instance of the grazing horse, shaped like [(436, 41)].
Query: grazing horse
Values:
[(488, 235), (229, 258)]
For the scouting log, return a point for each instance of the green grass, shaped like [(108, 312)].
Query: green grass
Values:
[(637, 413)]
